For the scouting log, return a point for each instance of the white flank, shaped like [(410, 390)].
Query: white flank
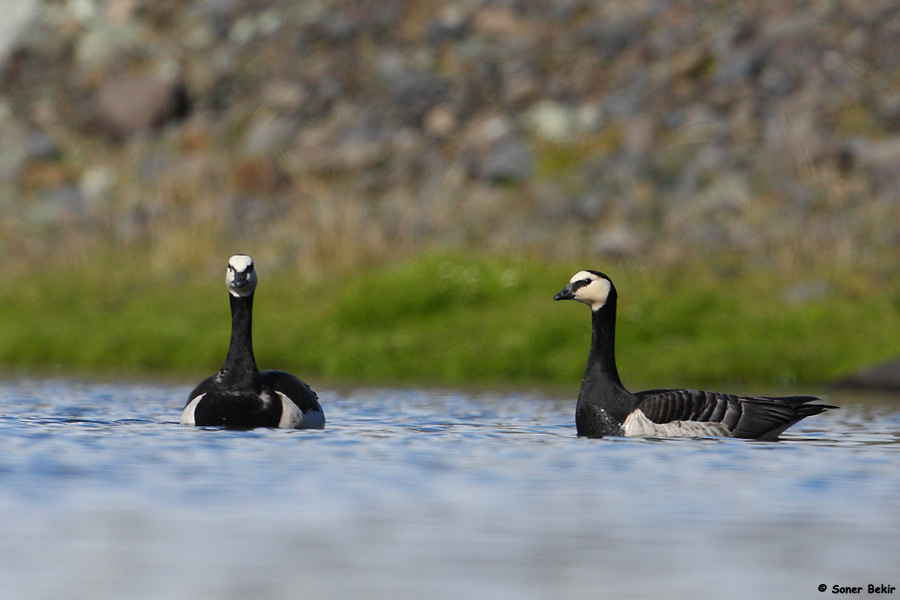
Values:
[(293, 417), (638, 425), (187, 415)]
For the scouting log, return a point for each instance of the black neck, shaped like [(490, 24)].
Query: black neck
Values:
[(602, 359), (239, 370), (603, 403)]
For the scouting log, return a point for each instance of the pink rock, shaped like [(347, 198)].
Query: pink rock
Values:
[(128, 105)]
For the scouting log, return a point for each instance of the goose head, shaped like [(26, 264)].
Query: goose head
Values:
[(590, 287), (241, 276)]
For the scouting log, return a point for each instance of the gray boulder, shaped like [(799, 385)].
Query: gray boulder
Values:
[(885, 377)]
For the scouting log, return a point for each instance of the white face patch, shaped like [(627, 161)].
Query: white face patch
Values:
[(580, 275), (240, 262), (240, 276), (595, 293)]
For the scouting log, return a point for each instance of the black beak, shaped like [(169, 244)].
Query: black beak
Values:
[(567, 293), (240, 280)]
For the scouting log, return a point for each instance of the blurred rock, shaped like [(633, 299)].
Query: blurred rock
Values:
[(104, 43), (132, 223), (626, 103), (121, 11), (57, 206), (129, 105), (414, 93), (737, 67), (805, 292), (286, 96), (552, 121), (589, 118), (348, 153), (250, 27), (610, 38), (590, 206), (96, 184), (884, 377), (638, 136), (487, 130), (13, 150), (269, 135), (618, 240), (497, 21), (450, 25), (888, 109), (42, 174), (509, 160), (440, 122), (256, 175), (41, 146), (338, 28)]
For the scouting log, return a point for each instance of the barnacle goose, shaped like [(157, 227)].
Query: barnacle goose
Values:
[(239, 395), (605, 407)]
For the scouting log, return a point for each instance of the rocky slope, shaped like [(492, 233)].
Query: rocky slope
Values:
[(334, 133)]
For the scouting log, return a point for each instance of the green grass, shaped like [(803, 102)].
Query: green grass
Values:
[(448, 320)]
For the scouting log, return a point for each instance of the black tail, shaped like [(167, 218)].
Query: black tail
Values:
[(766, 418)]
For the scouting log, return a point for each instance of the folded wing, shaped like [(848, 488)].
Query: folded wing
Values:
[(753, 417)]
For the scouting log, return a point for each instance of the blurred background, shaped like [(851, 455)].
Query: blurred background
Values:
[(718, 156)]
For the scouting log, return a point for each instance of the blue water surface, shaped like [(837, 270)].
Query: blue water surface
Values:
[(413, 493)]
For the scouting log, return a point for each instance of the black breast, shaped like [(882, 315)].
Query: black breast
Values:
[(239, 411)]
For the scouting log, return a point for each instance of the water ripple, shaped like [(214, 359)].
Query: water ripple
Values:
[(412, 493)]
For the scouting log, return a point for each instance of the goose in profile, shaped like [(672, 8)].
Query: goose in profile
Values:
[(605, 407), (239, 395)]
